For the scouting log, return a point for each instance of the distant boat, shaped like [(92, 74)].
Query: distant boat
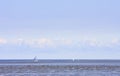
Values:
[(73, 60), (35, 59)]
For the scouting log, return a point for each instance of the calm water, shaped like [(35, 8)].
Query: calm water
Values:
[(60, 68)]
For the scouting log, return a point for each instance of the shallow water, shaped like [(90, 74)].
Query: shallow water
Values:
[(60, 69)]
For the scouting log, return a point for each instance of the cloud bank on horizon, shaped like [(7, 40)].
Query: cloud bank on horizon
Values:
[(65, 29), (58, 48), (54, 43)]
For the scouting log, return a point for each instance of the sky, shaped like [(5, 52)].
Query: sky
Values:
[(60, 29)]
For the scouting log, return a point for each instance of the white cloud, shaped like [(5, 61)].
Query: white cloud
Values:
[(39, 43), (115, 41), (100, 42), (18, 41), (66, 42), (3, 41), (55, 43), (44, 42)]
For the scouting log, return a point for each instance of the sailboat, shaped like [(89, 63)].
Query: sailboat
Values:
[(35, 59)]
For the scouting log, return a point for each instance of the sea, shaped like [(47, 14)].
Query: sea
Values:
[(59, 67)]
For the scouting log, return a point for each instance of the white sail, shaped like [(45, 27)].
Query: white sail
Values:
[(35, 59)]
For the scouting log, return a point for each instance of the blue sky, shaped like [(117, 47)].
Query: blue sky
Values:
[(60, 29)]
